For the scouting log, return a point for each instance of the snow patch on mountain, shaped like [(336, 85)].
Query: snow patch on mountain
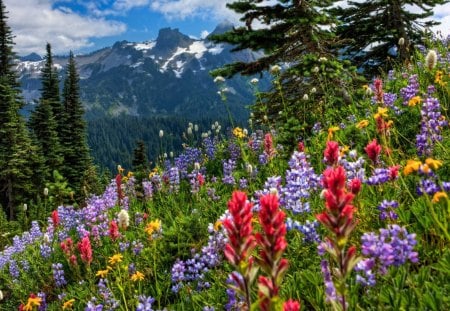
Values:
[(145, 46)]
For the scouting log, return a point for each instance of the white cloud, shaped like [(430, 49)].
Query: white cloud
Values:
[(204, 34), (126, 5), (182, 9), (35, 22)]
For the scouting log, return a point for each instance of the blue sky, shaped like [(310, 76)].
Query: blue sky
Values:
[(87, 25)]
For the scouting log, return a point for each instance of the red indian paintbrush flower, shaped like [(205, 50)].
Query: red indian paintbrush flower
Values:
[(338, 219), (268, 145), (378, 84), (55, 218), (291, 305), (85, 250), (239, 229), (373, 150), (113, 230), (272, 241), (119, 188), (331, 153)]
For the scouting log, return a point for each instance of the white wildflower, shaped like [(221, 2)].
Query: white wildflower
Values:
[(124, 219), (431, 59)]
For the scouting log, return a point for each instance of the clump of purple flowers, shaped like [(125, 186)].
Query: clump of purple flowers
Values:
[(145, 303), (394, 246), (387, 208), (430, 127), (300, 181), (228, 167), (411, 90), (58, 274), (194, 269)]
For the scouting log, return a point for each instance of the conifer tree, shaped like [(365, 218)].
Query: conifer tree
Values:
[(73, 139), (298, 35), (42, 120), (139, 157), (374, 28), (21, 166)]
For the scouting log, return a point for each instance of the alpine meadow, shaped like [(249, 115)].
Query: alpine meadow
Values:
[(296, 159)]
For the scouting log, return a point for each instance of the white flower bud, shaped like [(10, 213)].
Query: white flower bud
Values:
[(431, 59), (124, 219), (45, 191), (245, 132), (1, 295), (313, 90), (171, 154), (161, 133), (249, 168), (46, 238), (165, 155), (273, 191), (323, 59), (275, 69), (315, 69), (196, 166), (25, 207), (254, 81), (305, 97), (401, 41), (189, 130), (196, 127)]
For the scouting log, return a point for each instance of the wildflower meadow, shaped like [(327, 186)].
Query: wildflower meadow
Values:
[(355, 216)]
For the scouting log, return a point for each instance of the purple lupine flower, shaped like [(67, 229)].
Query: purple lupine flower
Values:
[(235, 300), (379, 176), (195, 268), (309, 229), (212, 194), (228, 167), (330, 290), (354, 166), (411, 90), (430, 127), (145, 303), (317, 127), (137, 247), (93, 306), (110, 303), (210, 146), (386, 209), (58, 274), (389, 99), (300, 181), (14, 269), (235, 151), (428, 185), (394, 246), (43, 305), (148, 189), (243, 183), (174, 179)]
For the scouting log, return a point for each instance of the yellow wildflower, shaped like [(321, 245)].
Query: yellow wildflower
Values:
[(130, 174), (115, 259), (238, 132), (344, 149), (411, 166), (362, 124), (438, 196), (217, 225), (102, 273), (152, 226), (438, 78), (414, 101), (138, 276), (120, 169), (331, 132), (68, 304), (32, 302), (382, 112), (434, 164)]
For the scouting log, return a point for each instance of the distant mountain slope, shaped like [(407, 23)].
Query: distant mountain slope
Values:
[(167, 76)]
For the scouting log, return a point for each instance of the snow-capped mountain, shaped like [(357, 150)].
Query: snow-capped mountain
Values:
[(169, 75)]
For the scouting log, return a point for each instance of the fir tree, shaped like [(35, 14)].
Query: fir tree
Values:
[(42, 120), (73, 139), (375, 27), (21, 165), (140, 157), (298, 35)]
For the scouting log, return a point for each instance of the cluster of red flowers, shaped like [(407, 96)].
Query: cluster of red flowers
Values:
[(271, 241), (85, 250)]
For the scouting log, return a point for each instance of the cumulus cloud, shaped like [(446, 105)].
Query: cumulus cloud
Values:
[(64, 29)]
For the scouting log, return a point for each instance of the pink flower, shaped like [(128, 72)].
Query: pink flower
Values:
[(355, 186), (55, 218), (331, 153), (113, 230), (268, 145), (85, 250), (373, 150), (239, 229), (291, 305)]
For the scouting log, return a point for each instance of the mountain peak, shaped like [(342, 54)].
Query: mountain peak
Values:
[(33, 57), (169, 39), (223, 27)]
